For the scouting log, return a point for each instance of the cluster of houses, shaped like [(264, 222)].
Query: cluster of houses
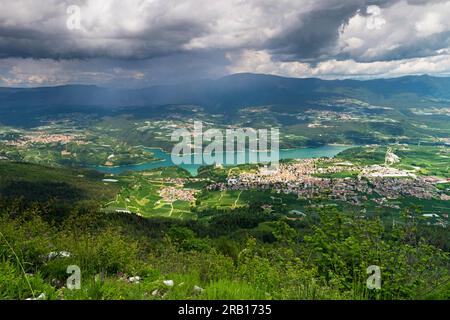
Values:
[(172, 194), (394, 188), (377, 171), (43, 138), (298, 178)]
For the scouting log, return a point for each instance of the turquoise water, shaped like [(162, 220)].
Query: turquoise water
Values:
[(166, 161)]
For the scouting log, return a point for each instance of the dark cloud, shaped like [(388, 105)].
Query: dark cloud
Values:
[(314, 37), (175, 68), (39, 30), (315, 33)]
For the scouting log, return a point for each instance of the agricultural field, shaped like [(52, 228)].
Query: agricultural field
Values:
[(62, 144), (141, 194)]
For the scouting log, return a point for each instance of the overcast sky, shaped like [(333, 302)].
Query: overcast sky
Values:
[(137, 43)]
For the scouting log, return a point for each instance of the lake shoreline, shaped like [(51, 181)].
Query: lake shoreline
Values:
[(165, 159)]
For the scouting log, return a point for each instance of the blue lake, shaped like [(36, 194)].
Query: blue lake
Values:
[(166, 161)]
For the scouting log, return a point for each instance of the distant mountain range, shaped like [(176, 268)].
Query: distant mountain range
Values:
[(226, 94)]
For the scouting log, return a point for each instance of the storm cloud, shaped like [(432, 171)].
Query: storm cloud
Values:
[(144, 42)]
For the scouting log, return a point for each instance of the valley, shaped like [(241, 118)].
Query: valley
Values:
[(363, 179)]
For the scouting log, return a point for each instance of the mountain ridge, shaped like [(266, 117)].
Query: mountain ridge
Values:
[(226, 95)]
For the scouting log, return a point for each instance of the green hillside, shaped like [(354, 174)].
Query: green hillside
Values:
[(41, 183)]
